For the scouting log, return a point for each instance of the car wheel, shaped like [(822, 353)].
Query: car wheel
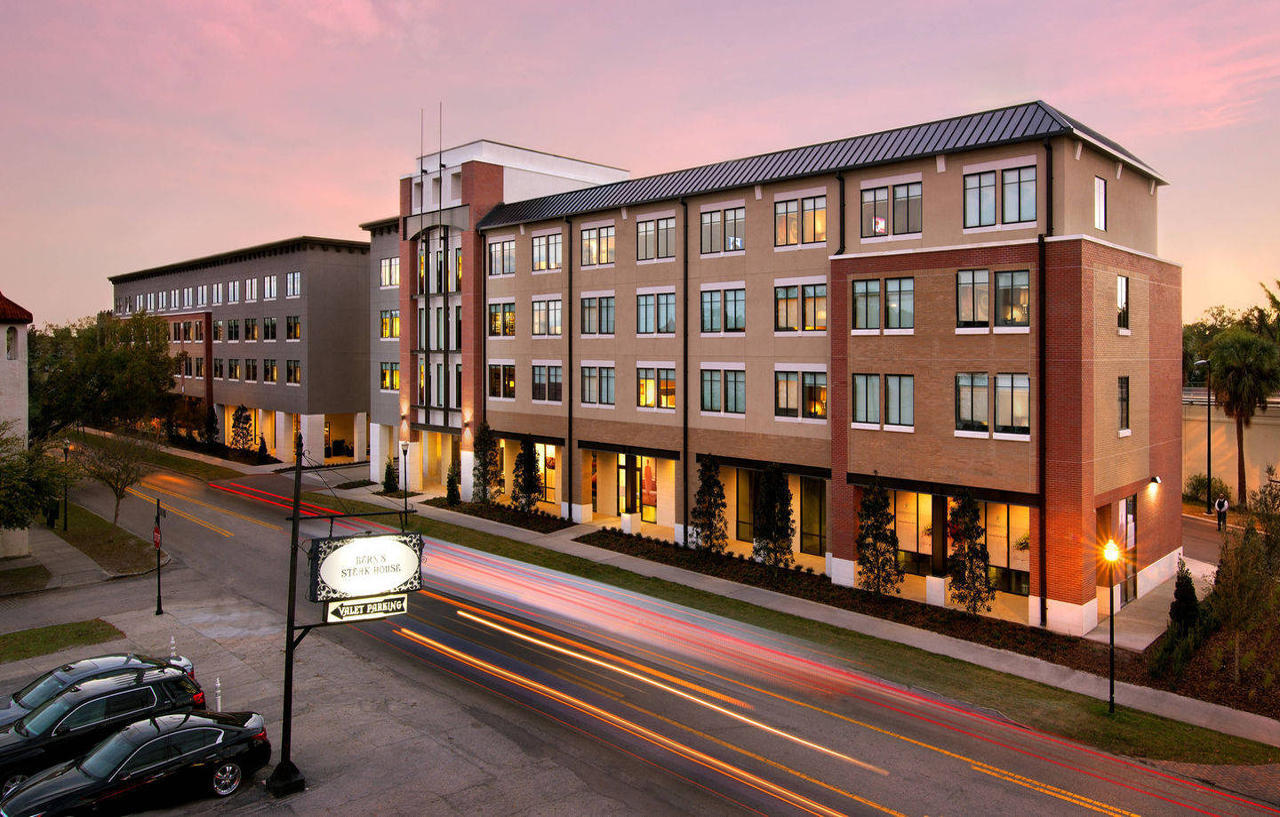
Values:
[(226, 779), (11, 781)]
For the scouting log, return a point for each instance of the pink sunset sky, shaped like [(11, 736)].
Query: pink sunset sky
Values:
[(140, 133)]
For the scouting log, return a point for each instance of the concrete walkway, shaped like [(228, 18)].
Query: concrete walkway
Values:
[(67, 566), (1145, 699)]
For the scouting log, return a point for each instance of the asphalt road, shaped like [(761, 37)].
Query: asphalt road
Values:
[(717, 716)]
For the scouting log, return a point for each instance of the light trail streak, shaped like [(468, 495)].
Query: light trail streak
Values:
[(760, 784), (1054, 791), (796, 739), (169, 507), (151, 486)]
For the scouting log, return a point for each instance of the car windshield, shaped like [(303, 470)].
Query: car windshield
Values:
[(39, 691), (42, 719), (107, 756)]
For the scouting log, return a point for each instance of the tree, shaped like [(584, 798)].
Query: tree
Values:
[(706, 517), (774, 526), (878, 567), (526, 489), (209, 433), (30, 481), (241, 429), (100, 371), (971, 585), (119, 462), (1245, 371), (451, 484), (262, 449), (1243, 587), (1198, 337), (487, 470), (390, 477), (1184, 610)]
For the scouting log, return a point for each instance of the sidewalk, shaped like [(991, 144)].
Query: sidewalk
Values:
[(1145, 699)]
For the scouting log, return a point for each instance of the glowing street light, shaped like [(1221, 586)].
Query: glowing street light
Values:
[(1111, 552)]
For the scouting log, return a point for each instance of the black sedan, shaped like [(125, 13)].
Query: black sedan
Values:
[(59, 678), (142, 764), (74, 721)]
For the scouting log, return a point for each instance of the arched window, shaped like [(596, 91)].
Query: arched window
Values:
[(11, 343)]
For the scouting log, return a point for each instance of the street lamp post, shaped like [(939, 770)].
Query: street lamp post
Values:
[(404, 484), (1112, 554), (66, 458), (1208, 439)]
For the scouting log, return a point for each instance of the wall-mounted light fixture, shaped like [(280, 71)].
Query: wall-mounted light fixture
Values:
[(1155, 480)]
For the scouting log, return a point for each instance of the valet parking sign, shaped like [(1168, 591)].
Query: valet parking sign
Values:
[(365, 577)]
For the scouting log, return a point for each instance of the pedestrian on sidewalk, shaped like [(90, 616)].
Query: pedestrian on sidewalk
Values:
[(1221, 507)]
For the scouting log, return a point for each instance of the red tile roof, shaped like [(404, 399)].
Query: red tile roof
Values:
[(12, 313)]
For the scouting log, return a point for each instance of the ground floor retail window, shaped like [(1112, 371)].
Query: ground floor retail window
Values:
[(1008, 530), (546, 455), (913, 522), (813, 516), (638, 486), (746, 489)]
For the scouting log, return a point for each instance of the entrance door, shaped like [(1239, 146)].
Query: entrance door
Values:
[(628, 483)]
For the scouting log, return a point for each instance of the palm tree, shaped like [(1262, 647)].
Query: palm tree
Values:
[(1245, 370)]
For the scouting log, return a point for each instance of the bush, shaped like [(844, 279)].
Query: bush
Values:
[(452, 496), (707, 516), (1184, 610), (390, 477), (1196, 484)]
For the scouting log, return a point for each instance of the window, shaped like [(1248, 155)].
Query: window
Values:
[(457, 267), (233, 293), (786, 223), (712, 310), (666, 388), (971, 401), (606, 386), (875, 212), (655, 239), (218, 368), (786, 394), (1099, 203), (1019, 194), (546, 252), (390, 377), (735, 228), (866, 304), (250, 328), (186, 366), (502, 380), (546, 383), (1013, 298), (502, 320), (199, 363), (502, 257), (813, 219), (217, 295), (899, 303), (980, 199), (293, 327), (866, 398), (173, 299), (899, 400), (786, 309), (597, 315), (1123, 384), (597, 246), (251, 369), (202, 296), (269, 372), (269, 283), (906, 208), (268, 328), (233, 368), (233, 329), (186, 330), (645, 314), (188, 297), (813, 516), (647, 387), (440, 265), (293, 371), (217, 330), (1122, 302), (292, 284), (546, 318), (388, 272), (814, 298), (151, 301), (177, 331), (666, 313), (591, 384), (251, 289), (1013, 404), (971, 298), (712, 389), (712, 232), (745, 483), (666, 238), (735, 392), (814, 395), (735, 310), (163, 297)]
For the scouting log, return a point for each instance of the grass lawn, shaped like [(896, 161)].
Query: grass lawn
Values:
[(197, 469), (1041, 707), (44, 640), (22, 579), (115, 549)]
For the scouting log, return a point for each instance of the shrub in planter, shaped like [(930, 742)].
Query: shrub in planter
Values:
[(390, 477), (971, 585), (451, 493), (878, 567), (774, 525)]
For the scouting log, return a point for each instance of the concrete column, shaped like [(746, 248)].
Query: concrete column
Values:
[(284, 427), (312, 437), (415, 466), (379, 450), (264, 423), (468, 462), (606, 484), (935, 590), (579, 500), (361, 434)]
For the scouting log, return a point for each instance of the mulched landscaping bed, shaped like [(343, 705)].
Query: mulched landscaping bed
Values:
[(1069, 651), (537, 521)]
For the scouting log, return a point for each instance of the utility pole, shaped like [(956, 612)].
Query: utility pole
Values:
[(285, 777), (155, 538)]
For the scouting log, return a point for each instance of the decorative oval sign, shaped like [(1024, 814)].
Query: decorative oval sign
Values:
[(368, 566)]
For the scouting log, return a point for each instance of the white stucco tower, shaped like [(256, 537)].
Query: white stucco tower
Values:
[(14, 321)]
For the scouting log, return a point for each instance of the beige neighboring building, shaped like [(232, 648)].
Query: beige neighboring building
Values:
[(1261, 442), (14, 321)]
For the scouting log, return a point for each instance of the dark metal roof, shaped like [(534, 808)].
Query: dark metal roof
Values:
[(288, 245), (1018, 123)]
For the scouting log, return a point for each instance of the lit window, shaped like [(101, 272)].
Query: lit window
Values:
[(786, 309), (814, 395), (875, 212), (390, 377), (546, 252), (786, 223), (1013, 298)]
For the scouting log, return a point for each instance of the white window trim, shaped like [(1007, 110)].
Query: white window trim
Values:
[(881, 239), (655, 410), (735, 415), (547, 231), (865, 426), (900, 332), (1126, 432), (499, 361), (596, 266), (890, 181), (656, 290), (1011, 330), (655, 215), (602, 336), (799, 333), (500, 399), (599, 293), (994, 228), (551, 271), (551, 296), (1124, 332), (973, 330), (655, 364), (792, 247), (1022, 438), (801, 194), (863, 333), (800, 367), (501, 301), (595, 225), (294, 385), (669, 260), (722, 254), (1000, 164), (803, 420), (722, 205), (716, 365), (800, 280), (721, 285), (603, 406), (973, 435), (900, 429), (544, 362)]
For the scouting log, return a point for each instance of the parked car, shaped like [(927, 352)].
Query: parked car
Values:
[(55, 680), (146, 762), (82, 715)]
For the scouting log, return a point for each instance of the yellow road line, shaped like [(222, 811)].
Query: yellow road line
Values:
[(210, 506), (1054, 791), (183, 514)]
